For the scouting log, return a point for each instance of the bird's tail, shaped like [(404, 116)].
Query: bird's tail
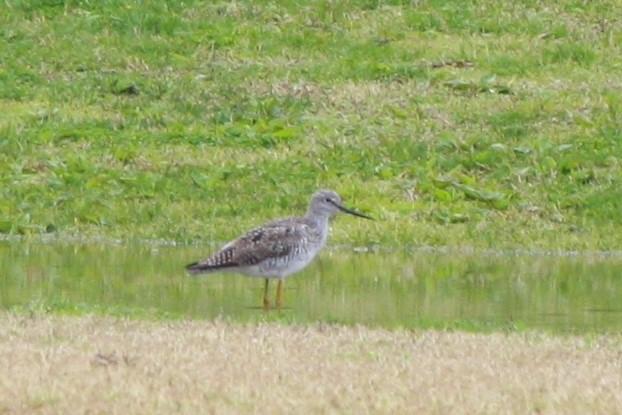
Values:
[(198, 268)]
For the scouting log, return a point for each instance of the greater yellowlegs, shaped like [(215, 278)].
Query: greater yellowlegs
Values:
[(278, 248)]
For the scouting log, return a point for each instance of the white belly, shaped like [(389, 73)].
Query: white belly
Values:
[(280, 267)]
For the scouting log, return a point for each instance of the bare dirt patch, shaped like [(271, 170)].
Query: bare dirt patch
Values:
[(71, 365)]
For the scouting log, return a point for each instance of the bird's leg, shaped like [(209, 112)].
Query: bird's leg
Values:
[(279, 289), (266, 301)]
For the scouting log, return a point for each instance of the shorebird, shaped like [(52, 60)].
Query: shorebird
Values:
[(278, 248)]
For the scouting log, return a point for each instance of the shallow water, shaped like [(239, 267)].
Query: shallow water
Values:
[(576, 293)]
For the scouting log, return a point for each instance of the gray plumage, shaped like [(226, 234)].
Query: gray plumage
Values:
[(278, 248)]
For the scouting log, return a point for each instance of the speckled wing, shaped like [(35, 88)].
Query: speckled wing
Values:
[(272, 240)]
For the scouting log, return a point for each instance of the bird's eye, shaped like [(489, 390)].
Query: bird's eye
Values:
[(328, 200)]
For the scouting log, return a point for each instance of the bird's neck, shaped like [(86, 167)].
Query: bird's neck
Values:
[(318, 220), (319, 227)]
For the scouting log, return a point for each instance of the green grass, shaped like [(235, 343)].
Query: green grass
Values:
[(170, 120)]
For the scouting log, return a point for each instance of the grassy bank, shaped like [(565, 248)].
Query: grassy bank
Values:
[(487, 124), (103, 365)]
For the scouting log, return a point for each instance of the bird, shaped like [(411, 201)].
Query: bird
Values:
[(278, 248)]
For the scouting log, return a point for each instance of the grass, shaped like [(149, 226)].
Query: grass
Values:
[(461, 124), (484, 124), (58, 364)]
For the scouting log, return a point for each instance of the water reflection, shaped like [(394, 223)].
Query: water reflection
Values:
[(421, 289)]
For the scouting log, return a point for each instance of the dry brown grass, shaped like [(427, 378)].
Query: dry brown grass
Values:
[(80, 365)]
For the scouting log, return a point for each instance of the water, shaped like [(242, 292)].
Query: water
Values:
[(580, 293)]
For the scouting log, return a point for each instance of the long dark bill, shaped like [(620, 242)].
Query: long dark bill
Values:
[(352, 212)]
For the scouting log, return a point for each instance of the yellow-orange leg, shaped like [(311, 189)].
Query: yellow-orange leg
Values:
[(266, 301), (279, 289)]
